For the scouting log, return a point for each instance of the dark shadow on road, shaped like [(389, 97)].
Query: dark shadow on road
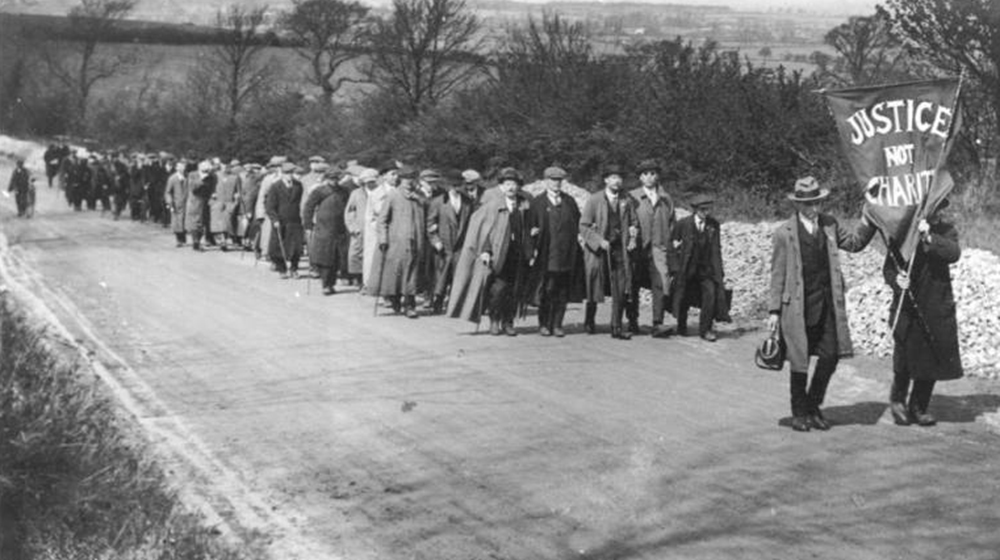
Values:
[(863, 413), (964, 408)]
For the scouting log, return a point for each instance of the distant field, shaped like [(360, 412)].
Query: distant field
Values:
[(168, 66)]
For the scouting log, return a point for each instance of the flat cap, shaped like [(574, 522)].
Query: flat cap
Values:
[(554, 173), (317, 159), (648, 165), (510, 174), (701, 199), (430, 175), (407, 172), (288, 167), (471, 176), (368, 175)]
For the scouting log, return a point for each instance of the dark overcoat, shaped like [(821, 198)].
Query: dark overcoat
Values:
[(927, 345), (684, 234), (489, 231), (283, 207), (571, 259), (787, 295), (324, 216), (446, 227), (594, 229), (200, 189), (402, 224)]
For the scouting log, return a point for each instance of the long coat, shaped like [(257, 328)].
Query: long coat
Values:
[(787, 295), (223, 203), (446, 228), (656, 226), (324, 216), (571, 259), (200, 189), (354, 219), (176, 200), (402, 226), (927, 345), (283, 207), (489, 227), (684, 234), (594, 228), (267, 182)]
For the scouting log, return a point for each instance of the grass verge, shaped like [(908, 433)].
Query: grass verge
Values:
[(72, 483)]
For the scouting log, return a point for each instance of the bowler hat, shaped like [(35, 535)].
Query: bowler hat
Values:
[(648, 165), (554, 173), (807, 189), (612, 169), (510, 174)]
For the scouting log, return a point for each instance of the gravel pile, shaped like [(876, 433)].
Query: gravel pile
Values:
[(746, 252)]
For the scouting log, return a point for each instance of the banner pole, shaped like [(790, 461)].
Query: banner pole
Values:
[(919, 215)]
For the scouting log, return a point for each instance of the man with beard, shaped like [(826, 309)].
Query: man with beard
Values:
[(402, 236), (554, 224), (283, 205), (654, 258), (610, 232), (326, 230), (447, 220), (201, 185), (492, 270)]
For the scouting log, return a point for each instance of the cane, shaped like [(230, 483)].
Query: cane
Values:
[(281, 243), (612, 281), (479, 303), (378, 287)]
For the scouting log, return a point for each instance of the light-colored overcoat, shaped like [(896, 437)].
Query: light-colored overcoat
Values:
[(175, 197), (402, 226), (489, 227), (223, 203), (787, 295), (594, 229), (355, 219)]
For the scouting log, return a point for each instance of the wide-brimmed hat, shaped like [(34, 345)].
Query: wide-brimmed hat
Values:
[(701, 199), (554, 173), (648, 165), (807, 189), (510, 174)]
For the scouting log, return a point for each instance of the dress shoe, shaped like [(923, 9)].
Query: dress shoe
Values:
[(633, 327), (558, 332), (659, 331), (618, 333), (411, 313), (283, 275), (818, 422), (508, 330), (924, 419), (494, 328), (900, 415), (544, 331), (589, 328), (709, 336), (329, 291), (800, 423)]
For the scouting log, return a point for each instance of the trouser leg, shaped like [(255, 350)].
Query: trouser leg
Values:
[(656, 289), (799, 398), (900, 386), (825, 367), (920, 397), (707, 315), (590, 315)]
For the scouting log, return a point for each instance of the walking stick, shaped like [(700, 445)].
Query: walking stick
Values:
[(479, 301), (256, 243), (612, 283), (281, 244), (378, 287)]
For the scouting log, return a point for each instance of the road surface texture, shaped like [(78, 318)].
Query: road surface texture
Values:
[(304, 423)]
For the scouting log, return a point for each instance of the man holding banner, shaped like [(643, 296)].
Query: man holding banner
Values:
[(897, 139)]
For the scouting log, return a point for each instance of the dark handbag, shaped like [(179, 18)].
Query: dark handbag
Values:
[(770, 353)]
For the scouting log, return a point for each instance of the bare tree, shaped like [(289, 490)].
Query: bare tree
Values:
[(239, 56), (868, 50), (959, 35), (79, 65), (329, 33), (425, 50)]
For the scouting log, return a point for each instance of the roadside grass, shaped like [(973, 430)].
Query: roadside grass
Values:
[(73, 484)]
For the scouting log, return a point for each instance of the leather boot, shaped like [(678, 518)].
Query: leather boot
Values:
[(800, 401), (920, 400)]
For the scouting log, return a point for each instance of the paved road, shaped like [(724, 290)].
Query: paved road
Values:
[(316, 430)]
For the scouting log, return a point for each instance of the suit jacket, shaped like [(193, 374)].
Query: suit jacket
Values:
[(787, 294), (445, 226)]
